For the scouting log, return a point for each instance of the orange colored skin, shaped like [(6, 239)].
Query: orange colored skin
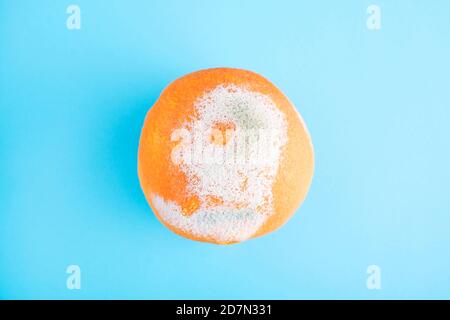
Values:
[(158, 174)]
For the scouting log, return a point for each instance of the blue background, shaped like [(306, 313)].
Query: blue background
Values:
[(72, 103)]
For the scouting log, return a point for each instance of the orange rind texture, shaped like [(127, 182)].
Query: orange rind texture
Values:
[(224, 202)]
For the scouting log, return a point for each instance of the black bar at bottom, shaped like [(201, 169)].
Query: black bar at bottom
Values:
[(227, 309)]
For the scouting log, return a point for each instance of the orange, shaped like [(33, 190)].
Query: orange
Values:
[(224, 156)]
